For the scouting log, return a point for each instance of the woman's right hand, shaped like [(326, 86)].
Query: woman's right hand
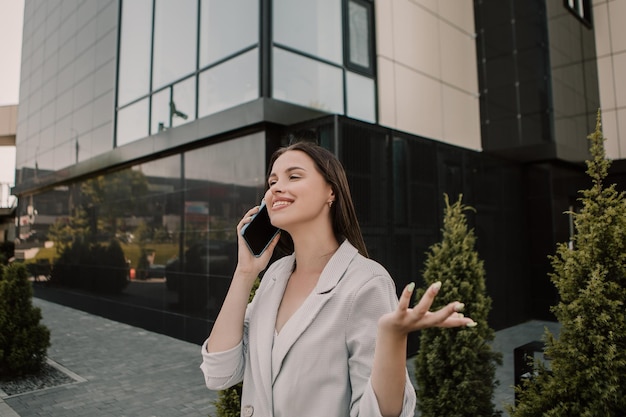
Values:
[(247, 263)]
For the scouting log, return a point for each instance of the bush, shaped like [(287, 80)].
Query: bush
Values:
[(92, 267), (455, 368), (23, 340), (587, 375)]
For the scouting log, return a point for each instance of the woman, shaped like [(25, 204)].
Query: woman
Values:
[(325, 334)]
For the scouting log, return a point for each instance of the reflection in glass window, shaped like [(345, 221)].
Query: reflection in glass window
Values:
[(239, 162), (313, 27), (358, 17), (134, 65), (234, 82), (175, 39), (227, 27), (222, 181), (132, 122), (227, 178), (160, 111), (310, 83), (361, 97), (170, 110), (184, 99)]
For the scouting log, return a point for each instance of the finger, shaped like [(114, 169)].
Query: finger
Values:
[(451, 316), (247, 218), (427, 299), (405, 298)]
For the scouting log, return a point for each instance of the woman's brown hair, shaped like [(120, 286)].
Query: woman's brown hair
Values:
[(343, 215)]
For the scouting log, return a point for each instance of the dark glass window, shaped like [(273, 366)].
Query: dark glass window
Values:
[(359, 36)]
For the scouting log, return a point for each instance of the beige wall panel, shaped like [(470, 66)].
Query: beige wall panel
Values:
[(384, 28), (424, 48), (459, 13), (386, 93), (8, 120), (430, 5), (415, 39), (418, 104), (619, 69), (461, 118), (602, 30), (617, 17), (609, 130), (458, 58), (605, 80)]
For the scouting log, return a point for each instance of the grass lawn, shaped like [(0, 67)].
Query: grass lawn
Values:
[(132, 251)]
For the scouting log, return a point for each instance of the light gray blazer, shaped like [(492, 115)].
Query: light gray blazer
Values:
[(320, 363)]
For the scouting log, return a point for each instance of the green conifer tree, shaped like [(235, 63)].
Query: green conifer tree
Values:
[(455, 368), (23, 339), (587, 375)]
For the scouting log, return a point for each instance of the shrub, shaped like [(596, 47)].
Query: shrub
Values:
[(587, 375), (23, 340), (455, 368), (92, 267)]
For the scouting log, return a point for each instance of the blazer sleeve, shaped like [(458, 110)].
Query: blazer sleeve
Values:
[(223, 369), (375, 298)]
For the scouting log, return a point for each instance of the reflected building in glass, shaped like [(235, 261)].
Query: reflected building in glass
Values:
[(145, 127)]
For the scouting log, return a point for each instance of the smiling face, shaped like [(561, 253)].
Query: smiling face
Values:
[(298, 194)]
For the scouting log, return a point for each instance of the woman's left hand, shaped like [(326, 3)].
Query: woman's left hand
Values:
[(406, 320)]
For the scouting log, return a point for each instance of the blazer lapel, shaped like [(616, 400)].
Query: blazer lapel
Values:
[(304, 316)]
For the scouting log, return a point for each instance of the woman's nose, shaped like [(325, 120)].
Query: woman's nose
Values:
[(276, 187)]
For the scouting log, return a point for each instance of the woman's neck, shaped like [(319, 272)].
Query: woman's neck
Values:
[(312, 253)]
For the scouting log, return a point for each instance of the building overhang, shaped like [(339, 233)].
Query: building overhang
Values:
[(239, 119)]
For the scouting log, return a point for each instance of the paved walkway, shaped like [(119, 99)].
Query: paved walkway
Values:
[(130, 372)]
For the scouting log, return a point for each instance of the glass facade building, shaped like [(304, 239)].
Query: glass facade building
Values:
[(145, 127)]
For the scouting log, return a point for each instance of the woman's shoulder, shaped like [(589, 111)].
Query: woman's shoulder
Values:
[(364, 270), (370, 265)]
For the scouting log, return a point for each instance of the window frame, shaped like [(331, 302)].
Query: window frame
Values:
[(581, 9), (369, 70)]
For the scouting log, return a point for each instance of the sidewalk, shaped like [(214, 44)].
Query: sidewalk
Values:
[(131, 372)]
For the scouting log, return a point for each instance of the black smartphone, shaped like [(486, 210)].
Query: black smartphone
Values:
[(259, 232)]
